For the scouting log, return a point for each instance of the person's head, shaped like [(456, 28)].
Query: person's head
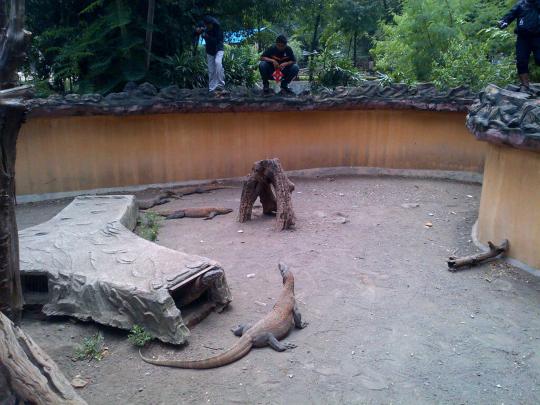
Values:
[(281, 42), (208, 22)]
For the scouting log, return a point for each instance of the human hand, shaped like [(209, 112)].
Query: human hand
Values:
[(503, 25), (283, 65), (276, 64)]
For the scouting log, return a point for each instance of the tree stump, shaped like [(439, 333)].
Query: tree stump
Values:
[(270, 184), (27, 373)]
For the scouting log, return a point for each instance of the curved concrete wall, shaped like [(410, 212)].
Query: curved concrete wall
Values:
[(61, 154), (510, 204)]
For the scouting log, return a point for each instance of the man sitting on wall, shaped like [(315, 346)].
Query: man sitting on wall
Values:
[(279, 57)]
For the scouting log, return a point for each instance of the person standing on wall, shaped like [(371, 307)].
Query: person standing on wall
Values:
[(279, 57), (527, 14), (213, 36)]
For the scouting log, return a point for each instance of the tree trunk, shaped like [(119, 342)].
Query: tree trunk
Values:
[(456, 263), (314, 40), (355, 40), (268, 182), (149, 30), (11, 301), (27, 373), (12, 46)]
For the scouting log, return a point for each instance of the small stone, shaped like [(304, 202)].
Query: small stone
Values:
[(240, 231), (341, 194), (410, 205), (141, 389), (251, 275), (353, 352), (428, 225), (291, 375), (472, 316), (470, 196), (431, 214), (498, 386), (78, 382), (262, 304)]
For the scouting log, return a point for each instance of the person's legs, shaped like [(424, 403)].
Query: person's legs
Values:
[(289, 73), (523, 51), (211, 60), (266, 69), (220, 72)]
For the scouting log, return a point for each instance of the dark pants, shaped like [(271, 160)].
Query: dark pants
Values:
[(526, 44), (267, 70)]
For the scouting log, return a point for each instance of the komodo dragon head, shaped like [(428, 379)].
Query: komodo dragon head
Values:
[(285, 273)]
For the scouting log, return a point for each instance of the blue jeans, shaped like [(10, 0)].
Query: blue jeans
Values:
[(267, 69)]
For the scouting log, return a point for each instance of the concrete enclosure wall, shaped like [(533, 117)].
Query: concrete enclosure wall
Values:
[(510, 205), (61, 154)]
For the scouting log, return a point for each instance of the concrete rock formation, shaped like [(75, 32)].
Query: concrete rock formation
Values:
[(507, 116), (146, 99), (87, 263)]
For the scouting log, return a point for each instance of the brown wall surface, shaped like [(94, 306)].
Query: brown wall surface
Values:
[(82, 153), (510, 204)]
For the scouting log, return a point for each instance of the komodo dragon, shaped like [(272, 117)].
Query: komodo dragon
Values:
[(206, 213), (268, 331)]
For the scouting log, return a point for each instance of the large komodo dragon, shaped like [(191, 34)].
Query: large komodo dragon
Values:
[(205, 212), (268, 331)]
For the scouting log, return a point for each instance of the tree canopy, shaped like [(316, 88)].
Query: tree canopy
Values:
[(99, 45)]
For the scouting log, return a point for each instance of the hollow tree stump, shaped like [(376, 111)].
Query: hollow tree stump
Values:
[(27, 373), (268, 182)]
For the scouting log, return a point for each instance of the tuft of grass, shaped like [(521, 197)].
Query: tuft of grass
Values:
[(91, 348), (138, 336), (148, 225)]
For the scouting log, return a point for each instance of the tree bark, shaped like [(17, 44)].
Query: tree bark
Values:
[(314, 40), (11, 300), (268, 182), (12, 52), (455, 263), (149, 30), (27, 373)]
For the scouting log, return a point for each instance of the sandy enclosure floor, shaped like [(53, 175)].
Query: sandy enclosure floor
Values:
[(387, 322)]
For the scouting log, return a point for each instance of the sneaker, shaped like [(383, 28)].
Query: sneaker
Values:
[(286, 91)]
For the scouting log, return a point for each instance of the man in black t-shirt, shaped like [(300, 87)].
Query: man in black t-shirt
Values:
[(280, 56), (211, 31)]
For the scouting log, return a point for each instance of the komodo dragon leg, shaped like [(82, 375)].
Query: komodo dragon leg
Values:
[(240, 329), (297, 317), (211, 215), (268, 339)]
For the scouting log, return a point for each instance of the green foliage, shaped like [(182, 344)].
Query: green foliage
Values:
[(473, 65), (240, 63), (450, 42), (148, 225), (138, 336), (91, 348), (331, 68), (186, 70)]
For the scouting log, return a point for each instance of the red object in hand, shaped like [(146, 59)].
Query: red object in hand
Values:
[(277, 75)]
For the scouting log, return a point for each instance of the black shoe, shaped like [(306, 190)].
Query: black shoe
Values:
[(286, 91), (266, 90)]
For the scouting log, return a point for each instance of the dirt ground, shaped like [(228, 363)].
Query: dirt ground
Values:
[(387, 322)]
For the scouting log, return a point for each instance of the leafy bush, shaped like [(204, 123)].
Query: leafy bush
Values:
[(240, 64), (332, 68), (138, 336), (186, 70), (148, 225), (470, 64), (90, 349)]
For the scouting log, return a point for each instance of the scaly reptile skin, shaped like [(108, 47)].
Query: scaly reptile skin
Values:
[(206, 213), (268, 331)]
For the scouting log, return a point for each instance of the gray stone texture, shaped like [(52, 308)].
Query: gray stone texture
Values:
[(99, 270), (507, 116), (146, 99)]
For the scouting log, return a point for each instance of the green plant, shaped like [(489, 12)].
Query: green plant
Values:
[(91, 348), (240, 64), (148, 225), (186, 70), (332, 68), (138, 336)]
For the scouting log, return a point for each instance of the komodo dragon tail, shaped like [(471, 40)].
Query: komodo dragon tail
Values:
[(236, 352)]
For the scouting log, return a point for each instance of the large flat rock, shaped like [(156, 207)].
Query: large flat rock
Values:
[(99, 270)]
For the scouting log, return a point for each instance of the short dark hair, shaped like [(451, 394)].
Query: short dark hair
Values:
[(281, 39)]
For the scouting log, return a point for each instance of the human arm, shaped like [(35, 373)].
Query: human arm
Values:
[(510, 16), (266, 57), (292, 59)]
